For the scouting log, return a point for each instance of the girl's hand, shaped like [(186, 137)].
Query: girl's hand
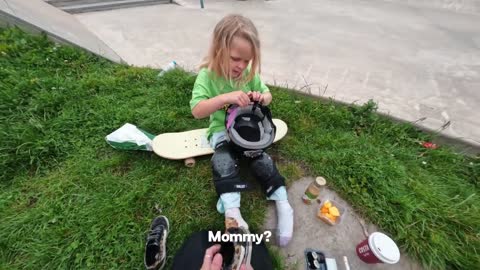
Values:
[(256, 96), (264, 98), (239, 98)]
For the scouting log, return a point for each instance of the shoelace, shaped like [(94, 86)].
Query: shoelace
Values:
[(156, 233)]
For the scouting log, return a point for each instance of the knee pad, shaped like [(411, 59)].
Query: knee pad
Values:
[(265, 171), (225, 170)]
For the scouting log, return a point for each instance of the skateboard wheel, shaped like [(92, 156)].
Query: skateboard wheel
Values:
[(190, 162)]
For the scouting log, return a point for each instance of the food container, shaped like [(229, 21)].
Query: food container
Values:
[(335, 213)]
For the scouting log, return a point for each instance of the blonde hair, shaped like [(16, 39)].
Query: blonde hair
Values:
[(218, 57)]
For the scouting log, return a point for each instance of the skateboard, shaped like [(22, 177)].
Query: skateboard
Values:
[(190, 144)]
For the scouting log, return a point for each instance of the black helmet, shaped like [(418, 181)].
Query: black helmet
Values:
[(250, 127)]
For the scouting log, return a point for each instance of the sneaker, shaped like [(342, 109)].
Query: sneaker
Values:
[(155, 253), (248, 250), (242, 251)]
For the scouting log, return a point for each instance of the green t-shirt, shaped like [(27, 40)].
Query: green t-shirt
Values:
[(209, 85)]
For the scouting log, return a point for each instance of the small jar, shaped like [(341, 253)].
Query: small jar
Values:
[(313, 190)]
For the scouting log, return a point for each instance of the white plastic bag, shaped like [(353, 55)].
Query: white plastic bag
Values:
[(129, 137)]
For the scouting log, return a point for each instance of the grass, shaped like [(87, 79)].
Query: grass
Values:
[(68, 200)]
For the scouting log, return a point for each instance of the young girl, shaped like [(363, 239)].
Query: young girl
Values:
[(229, 75)]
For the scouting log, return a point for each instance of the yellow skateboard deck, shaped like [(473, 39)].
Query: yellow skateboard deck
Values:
[(189, 144)]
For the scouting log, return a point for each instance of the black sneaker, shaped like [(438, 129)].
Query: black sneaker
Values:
[(155, 253)]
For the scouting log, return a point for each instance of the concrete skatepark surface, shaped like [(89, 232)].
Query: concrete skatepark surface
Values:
[(420, 64), (335, 241)]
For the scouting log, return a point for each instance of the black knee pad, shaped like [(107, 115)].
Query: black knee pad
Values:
[(225, 169), (265, 171)]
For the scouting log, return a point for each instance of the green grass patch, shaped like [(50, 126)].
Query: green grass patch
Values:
[(68, 200)]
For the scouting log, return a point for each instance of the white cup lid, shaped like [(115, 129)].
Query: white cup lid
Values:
[(384, 248)]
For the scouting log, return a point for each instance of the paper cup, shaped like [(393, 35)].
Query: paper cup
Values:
[(378, 248)]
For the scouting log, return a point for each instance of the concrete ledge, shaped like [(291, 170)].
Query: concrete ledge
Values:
[(81, 6), (37, 16)]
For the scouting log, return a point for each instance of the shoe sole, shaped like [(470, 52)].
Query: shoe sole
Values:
[(248, 251), (238, 258)]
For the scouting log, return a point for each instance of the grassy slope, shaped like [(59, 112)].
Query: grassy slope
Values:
[(68, 200)]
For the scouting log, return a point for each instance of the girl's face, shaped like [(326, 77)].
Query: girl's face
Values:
[(241, 52)]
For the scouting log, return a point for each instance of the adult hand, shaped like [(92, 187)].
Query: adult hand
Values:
[(239, 98), (212, 259), (245, 267)]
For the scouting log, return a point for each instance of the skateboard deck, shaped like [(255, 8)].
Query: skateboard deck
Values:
[(189, 144)]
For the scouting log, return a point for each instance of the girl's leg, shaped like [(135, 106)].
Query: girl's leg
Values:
[(284, 215), (226, 178), (229, 203), (273, 184)]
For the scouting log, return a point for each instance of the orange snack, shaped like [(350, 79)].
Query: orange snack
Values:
[(329, 213), (329, 216), (334, 211)]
